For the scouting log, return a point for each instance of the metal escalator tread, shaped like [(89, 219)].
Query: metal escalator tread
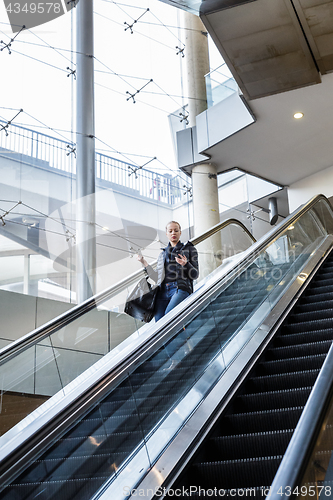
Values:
[(272, 399), (247, 443), (284, 380), (260, 421), (294, 363), (315, 315), (70, 489), (314, 299), (312, 325), (244, 473), (307, 349), (314, 306), (304, 338), (320, 290)]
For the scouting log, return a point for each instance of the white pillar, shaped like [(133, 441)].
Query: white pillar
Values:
[(197, 64), (26, 274), (85, 148), (204, 176), (206, 215)]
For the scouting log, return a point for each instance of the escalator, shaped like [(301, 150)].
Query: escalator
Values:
[(244, 449), (231, 346)]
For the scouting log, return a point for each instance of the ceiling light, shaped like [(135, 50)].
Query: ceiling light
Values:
[(298, 115)]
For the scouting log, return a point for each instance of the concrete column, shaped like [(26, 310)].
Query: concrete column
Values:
[(206, 215), (197, 64), (204, 176), (85, 150)]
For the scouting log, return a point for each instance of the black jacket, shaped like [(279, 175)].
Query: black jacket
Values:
[(185, 274)]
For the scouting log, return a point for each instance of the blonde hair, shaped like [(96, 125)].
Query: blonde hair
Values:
[(173, 222)]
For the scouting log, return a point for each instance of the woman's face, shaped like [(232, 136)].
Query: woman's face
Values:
[(173, 233)]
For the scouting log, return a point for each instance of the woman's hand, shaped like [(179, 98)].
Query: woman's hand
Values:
[(181, 259), (141, 259)]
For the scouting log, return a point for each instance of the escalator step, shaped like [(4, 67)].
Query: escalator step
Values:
[(260, 421), (161, 375), (71, 468), (304, 338), (315, 315), (235, 473), (272, 400), (319, 290), (90, 428), (298, 350), (324, 271), (107, 408), (291, 364), (247, 445), (322, 305), (281, 381), (49, 490), (322, 281), (158, 389), (121, 439), (305, 326), (315, 298)]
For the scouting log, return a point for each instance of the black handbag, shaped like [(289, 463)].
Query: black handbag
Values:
[(140, 302)]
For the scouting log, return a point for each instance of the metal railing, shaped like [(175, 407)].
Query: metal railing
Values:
[(60, 155)]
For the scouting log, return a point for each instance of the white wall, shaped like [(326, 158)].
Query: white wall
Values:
[(320, 183), (21, 314), (44, 369)]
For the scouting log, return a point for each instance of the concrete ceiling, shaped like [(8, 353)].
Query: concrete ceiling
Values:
[(277, 50), (278, 147), (272, 46)]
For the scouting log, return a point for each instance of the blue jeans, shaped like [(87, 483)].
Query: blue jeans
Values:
[(169, 296)]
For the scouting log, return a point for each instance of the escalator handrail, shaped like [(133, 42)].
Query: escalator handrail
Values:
[(75, 312), (111, 371), (304, 436)]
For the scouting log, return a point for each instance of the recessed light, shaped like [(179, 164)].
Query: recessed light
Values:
[(298, 115)]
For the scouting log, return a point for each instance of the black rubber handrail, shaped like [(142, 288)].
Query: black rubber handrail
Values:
[(67, 317)]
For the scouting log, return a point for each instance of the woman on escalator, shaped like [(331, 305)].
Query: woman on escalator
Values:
[(177, 267)]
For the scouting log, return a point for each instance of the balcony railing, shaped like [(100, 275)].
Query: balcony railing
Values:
[(220, 84), (60, 155)]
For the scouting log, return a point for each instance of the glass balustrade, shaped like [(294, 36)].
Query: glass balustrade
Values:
[(44, 368)]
